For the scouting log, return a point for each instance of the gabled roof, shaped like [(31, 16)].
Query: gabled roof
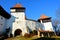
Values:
[(44, 16), (4, 13)]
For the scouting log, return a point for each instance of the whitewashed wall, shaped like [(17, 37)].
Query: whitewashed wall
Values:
[(17, 21), (33, 25), (48, 26)]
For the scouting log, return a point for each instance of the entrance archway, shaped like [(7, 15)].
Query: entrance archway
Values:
[(18, 32)]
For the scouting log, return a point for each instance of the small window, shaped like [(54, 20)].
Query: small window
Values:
[(1, 24), (17, 22), (44, 21), (13, 21), (19, 10), (17, 18), (1, 17)]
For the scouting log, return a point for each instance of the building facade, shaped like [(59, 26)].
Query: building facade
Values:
[(18, 24)]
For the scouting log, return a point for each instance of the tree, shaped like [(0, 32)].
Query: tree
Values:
[(56, 22), (58, 14)]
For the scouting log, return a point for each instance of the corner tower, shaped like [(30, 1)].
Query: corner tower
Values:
[(46, 22)]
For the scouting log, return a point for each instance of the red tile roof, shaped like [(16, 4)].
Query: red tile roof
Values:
[(18, 6), (43, 16)]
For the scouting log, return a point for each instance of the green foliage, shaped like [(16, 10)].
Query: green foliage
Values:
[(33, 32), (27, 35)]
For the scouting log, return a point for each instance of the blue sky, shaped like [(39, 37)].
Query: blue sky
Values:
[(34, 8)]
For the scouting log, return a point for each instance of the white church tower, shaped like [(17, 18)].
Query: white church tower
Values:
[(18, 20), (46, 22)]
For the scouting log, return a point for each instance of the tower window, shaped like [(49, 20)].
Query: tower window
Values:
[(13, 21), (44, 21), (19, 10)]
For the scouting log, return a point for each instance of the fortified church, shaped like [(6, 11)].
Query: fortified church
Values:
[(18, 23)]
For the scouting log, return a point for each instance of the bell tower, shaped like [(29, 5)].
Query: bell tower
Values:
[(18, 11), (18, 18)]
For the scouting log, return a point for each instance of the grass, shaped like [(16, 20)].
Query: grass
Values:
[(22, 38), (34, 38)]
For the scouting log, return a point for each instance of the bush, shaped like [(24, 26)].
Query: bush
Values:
[(27, 35), (32, 35), (33, 32)]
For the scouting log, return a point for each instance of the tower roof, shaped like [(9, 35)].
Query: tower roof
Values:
[(18, 6), (44, 16)]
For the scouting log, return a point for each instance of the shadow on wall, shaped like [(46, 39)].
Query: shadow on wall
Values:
[(28, 29), (39, 25), (12, 19), (9, 25)]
